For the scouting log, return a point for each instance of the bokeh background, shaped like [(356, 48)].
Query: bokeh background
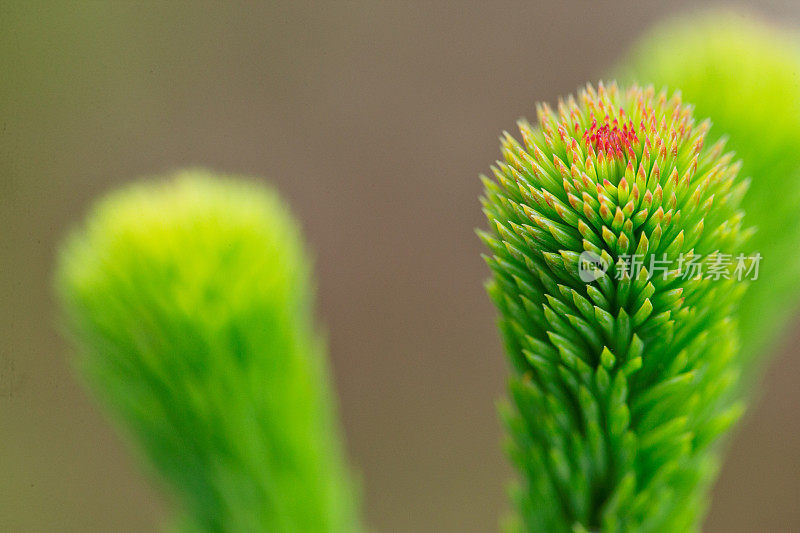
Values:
[(374, 120)]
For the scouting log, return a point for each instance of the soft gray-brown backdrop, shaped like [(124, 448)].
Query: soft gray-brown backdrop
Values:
[(374, 120)]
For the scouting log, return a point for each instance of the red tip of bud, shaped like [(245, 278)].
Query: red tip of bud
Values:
[(610, 138)]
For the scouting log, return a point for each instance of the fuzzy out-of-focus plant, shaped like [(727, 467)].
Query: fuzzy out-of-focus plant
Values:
[(624, 358), (190, 306), (744, 74)]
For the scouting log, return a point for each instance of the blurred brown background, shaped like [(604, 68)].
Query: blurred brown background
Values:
[(374, 120)]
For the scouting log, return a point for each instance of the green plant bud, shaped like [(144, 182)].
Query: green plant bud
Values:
[(622, 386), (189, 304)]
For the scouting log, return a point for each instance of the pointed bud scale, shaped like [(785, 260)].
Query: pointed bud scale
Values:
[(697, 195), (603, 198), (561, 167), (531, 214), (539, 197), (550, 140), (609, 237), (625, 282), (581, 275), (622, 244), (619, 218), (575, 168), (588, 182), (635, 196), (574, 201), (639, 218), (554, 261), (605, 212), (641, 177), (676, 245), (527, 135), (655, 174), (647, 201), (630, 173), (622, 190), (562, 131), (655, 219), (527, 158), (641, 281), (627, 226), (590, 200), (576, 149), (590, 246), (707, 204), (692, 168), (590, 215), (539, 155), (588, 233), (670, 299), (562, 236), (548, 198), (628, 209), (655, 237), (643, 246), (658, 195)]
